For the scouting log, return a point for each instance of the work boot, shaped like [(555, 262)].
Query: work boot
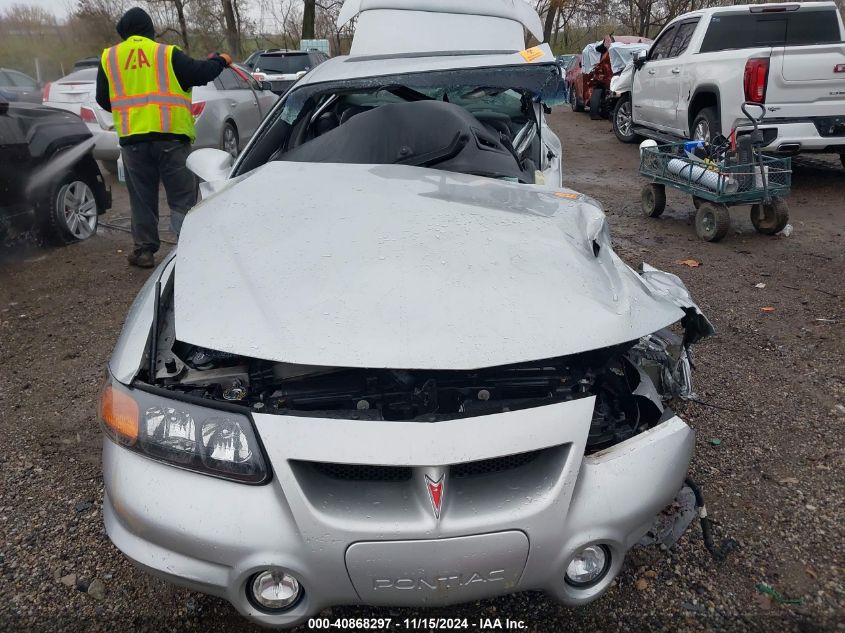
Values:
[(141, 258)]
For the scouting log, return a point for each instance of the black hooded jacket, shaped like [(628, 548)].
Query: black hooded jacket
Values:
[(189, 72)]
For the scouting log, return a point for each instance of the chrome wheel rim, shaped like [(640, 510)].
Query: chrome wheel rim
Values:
[(78, 207), (230, 141), (623, 119), (708, 223), (702, 131)]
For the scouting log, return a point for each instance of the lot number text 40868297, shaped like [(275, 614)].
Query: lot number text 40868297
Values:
[(483, 625)]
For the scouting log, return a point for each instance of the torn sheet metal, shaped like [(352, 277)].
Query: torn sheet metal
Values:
[(670, 525), (670, 287)]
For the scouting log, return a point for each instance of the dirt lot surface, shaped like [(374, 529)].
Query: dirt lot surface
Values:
[(770, 452)]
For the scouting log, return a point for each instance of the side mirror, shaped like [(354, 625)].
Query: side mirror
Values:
[(210, 165), (265, 85), (640, 59)]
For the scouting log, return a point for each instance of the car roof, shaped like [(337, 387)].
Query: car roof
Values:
[(282, 53), (733, 8)]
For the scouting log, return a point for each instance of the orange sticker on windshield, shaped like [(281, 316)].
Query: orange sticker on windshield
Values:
[(530, 54)]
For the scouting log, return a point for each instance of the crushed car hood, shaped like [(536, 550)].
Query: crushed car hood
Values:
[(404, 267)]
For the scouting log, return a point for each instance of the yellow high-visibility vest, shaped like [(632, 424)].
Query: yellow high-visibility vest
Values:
[(145, 94)]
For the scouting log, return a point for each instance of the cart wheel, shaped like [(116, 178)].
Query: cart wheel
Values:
[(654, 200), (697, 202), (769, 219), (712, 221)]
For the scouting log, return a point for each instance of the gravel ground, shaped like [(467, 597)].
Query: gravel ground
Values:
[(770, 450)]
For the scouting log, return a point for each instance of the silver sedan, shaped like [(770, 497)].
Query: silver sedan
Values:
[(227, 111)]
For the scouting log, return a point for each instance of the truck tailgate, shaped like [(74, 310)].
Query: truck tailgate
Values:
[(825, 62), (808, 74)]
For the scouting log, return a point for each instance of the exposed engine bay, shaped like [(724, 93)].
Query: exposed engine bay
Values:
[(630, 382)]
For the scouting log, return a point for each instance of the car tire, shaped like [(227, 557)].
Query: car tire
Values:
[(712, 221), (653, 198), (111, 166), (596, 98), (706, 125), (229, 140), (69, 212), (769, 219), (623, 120), (574, 101)]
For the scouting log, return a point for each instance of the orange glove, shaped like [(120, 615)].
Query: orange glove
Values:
[(224, 56)]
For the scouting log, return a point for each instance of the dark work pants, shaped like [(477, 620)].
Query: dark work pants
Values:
[(146, 164)]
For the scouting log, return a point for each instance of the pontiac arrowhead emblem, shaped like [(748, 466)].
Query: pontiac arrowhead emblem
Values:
[(435, 493)]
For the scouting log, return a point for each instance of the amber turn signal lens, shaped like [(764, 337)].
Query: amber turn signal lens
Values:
[(119, 412)]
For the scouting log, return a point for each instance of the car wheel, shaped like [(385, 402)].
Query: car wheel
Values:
[(229, 139), (769, 219), (712, 221), (70, 211), (705, 126), (623, 120), (653, 198), (595, 103)]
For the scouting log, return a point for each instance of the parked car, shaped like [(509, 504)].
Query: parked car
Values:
[(790, 58), (16, 86), (566, 62), (422, 377), (226, 111), (49, 182), (86, 62), (570, 76), (282, 68), (600, 61)]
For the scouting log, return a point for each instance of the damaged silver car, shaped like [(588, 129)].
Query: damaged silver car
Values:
[(417, 373)]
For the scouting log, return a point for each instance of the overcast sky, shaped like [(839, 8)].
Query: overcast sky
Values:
[(57, 7)]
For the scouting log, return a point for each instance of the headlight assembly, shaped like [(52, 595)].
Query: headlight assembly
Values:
[(217, 442)]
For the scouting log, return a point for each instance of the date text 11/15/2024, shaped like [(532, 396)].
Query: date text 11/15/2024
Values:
[(482, 625)]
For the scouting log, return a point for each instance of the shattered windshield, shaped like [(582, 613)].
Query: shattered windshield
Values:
[(481, 121)]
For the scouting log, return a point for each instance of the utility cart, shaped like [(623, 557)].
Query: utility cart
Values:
[(717, 175)]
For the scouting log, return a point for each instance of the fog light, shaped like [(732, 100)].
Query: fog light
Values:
[(588, 566), (275, 590)]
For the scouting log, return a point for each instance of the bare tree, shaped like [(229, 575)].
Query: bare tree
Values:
[(233, 35), (309, 15)]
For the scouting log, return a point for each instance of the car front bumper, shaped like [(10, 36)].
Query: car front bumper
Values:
[(379, 542)]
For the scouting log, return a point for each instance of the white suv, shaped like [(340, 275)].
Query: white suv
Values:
[(789, 58)]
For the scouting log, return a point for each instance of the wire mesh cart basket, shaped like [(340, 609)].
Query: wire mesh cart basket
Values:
[(717, 178)]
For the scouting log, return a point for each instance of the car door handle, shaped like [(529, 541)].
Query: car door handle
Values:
[(676, 71), (651, 72)]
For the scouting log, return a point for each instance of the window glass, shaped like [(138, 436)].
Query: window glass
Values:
[(4, 80), (789, 28), (20, 80), (85, 74), (661, 47), (682, 39), (228, 80), (284, 64)]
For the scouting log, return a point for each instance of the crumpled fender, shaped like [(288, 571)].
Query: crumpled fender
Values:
[(661, 284)]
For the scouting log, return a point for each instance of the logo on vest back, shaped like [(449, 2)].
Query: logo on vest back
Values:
[(137, 59)]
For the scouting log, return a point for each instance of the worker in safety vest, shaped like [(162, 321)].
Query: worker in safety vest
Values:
[(147, 88)]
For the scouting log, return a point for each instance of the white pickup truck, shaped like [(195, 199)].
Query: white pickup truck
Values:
[(790, 58)]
